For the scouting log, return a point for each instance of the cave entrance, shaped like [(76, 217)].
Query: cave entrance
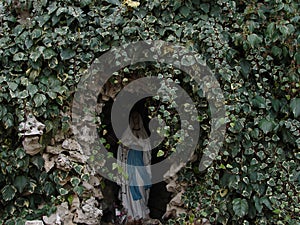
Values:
[(159, 196)]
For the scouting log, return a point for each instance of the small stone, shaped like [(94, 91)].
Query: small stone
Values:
[(63, 162), (71, 144), (89, 214), (59, 137), (177, 200), (34, 222), (55, 150), (77, 157), (49, 162), (31, 145), (31, 127)]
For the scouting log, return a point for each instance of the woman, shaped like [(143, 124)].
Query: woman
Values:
[(135, 156)]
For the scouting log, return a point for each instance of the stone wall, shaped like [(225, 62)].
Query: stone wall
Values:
[(63, 151)]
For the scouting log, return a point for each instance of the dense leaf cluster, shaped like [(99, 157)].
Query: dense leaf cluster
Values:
[(253, 49)]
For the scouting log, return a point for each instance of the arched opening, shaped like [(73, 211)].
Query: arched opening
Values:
[(159, 196)]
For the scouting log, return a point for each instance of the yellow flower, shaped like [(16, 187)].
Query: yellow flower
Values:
[(130, 3)]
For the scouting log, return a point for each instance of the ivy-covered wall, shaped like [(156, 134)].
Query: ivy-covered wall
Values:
[(251, 46)]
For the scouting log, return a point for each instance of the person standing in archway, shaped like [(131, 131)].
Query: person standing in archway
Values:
[(134, 153)]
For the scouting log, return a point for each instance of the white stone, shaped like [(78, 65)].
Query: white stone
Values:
[(31, 127), (34, 222)]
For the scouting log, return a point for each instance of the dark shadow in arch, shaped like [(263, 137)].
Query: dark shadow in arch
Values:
[(159, 196)]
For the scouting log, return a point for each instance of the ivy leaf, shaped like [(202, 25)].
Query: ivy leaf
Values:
[(36, 33), (19, 56), (32, 89), (79, 190), (240, 207), (38, 161), (39, 99), (49, 188), (276, 51), (3, 111), (257, 204), (52, 95), (8, 120), (185, 11), (295, 106), (205, 7), (43, 19), (18, 30), (35, 55), (12, 86), (63, 191), (21, 202), (28, 42), (254, 40), (84, 3), (188, 60), (20, 183), (270, 29), (245, 68), (67, 54), (264, 200), (8, 192), (276, 104), (114, 2), (160, 153), (297, 57), (75, 181), (23, 94), (20, 153), (78, 168), (259, 102), (48, 53), (266, 125)]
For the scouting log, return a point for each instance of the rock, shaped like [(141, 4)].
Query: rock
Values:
[(52, 141), (99, 108), (68, 219), (53, 219), (87, 186), (172, 185), (63, 209), (31, 145), (97, 193), (31, 127), (59, 137), (173, 212), (75, 203), (77, 157), (34, 222), (60, 216), (94, 180), (90, 190), (63, 162), (49, 161), (70, 144), (55, 150), (174, 169), (89, 214), (177, 200), (88, 134), (205, 221)]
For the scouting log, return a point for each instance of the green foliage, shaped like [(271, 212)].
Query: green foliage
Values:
[(253, 49)]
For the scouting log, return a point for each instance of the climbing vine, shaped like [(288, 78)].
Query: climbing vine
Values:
[(251, 46)]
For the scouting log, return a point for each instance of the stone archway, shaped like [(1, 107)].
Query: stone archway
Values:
[(165, 197), (63, 151)]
